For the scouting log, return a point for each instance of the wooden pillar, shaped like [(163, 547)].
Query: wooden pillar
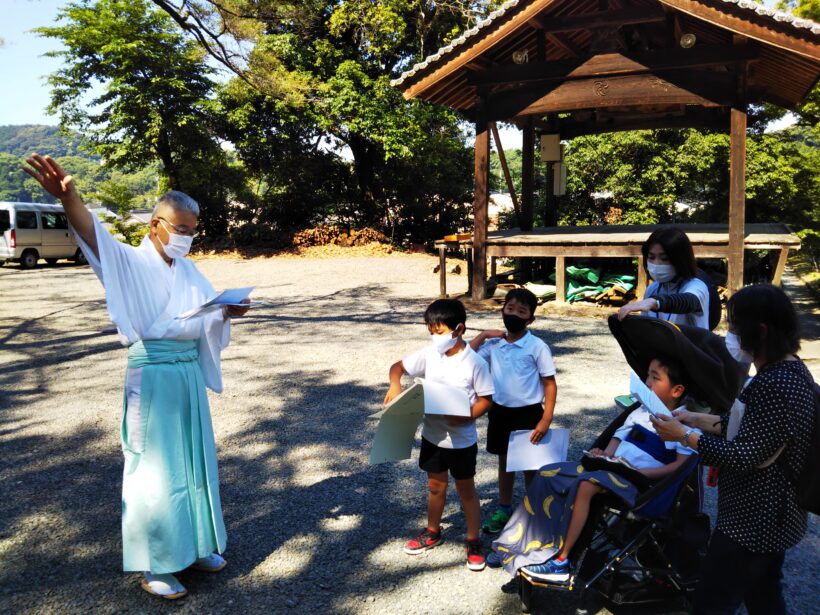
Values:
[(782, 257), (442, 272), (640, 289), (527, 191), (481, 200), (737, 198), (527, 175), (560, 279)]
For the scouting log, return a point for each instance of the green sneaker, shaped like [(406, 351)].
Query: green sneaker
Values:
[(496, 522)]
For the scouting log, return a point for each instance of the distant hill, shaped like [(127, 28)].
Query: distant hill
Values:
[(24, 139)]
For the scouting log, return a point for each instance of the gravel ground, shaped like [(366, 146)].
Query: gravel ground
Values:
[(311, 526)]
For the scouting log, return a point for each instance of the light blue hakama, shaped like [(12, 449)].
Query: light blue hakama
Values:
[(171, 513)]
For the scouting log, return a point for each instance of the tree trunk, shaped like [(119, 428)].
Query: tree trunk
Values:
[(363, 166)]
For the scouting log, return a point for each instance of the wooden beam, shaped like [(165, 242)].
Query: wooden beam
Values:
[(507, 177), (632, 90), (600, 19), (737, 198), (727, 17), (614, 64), (782, 257), (480, 202), (564, 42), (710, 119)]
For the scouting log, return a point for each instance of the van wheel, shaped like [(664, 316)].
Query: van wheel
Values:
[(52, 261), (80, 258), (29, 259)]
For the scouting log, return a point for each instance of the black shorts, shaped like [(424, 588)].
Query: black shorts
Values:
[(504, 421), (459, 461)]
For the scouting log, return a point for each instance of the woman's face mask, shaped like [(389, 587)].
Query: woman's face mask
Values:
[(178, 245), (661, 273), (733, 346)]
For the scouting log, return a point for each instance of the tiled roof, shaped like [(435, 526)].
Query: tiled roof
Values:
[(456, 42), (759, 9)]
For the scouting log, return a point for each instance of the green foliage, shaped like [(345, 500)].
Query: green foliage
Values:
[(24, 140), (138, 92), (318, 82)]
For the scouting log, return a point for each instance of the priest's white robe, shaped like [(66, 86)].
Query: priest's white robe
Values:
[(171, 511)]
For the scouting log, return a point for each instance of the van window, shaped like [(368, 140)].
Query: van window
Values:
[(26, 220), (5, 219), (54, 221)]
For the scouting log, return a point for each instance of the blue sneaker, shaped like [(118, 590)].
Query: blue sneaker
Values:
[(494, 559), (551, 570)]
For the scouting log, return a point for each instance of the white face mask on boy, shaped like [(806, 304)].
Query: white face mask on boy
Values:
[(661, 273), (443, 342), (733, 346)]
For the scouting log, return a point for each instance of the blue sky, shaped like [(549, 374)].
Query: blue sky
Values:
[(23, 67)]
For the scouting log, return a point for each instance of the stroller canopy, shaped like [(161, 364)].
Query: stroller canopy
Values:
[(712, 374)]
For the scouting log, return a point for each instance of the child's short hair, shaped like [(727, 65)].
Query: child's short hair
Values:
[(450, 312), (523, 296), (674, 370)]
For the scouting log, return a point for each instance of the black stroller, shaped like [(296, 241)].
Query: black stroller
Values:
[(651, 551)]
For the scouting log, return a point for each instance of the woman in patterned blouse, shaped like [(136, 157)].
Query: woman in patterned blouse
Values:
[(758, 515)]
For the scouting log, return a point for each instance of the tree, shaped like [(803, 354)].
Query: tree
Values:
[(153, 104), (320, 71)]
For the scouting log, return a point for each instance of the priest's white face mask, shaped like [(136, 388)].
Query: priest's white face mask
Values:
[(178, 245), (178, 228)]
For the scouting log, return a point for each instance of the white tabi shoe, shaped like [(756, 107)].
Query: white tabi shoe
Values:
[(213, 563), (163, 585)]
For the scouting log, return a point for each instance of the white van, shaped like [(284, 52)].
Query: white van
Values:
[(31, 231)]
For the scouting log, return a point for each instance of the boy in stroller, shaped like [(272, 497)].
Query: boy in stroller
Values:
[(634, 457), (538, 541)]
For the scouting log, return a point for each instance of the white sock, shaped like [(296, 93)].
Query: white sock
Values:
[(164, 584)]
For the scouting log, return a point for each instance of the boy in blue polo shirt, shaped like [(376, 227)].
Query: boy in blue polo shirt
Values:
[(449, 444), (525, 390)]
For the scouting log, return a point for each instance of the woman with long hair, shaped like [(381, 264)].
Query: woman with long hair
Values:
[(676, 293), (759, 449)]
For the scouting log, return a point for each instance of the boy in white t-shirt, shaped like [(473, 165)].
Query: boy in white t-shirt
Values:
[(525, 391), (448, 443)]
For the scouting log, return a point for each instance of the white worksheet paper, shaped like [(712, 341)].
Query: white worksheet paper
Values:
[(230, 296), (444, 399), (399, 422), (650, 401), (524, 455)]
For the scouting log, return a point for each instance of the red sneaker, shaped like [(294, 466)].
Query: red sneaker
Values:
[(426, 540), (475, 555)]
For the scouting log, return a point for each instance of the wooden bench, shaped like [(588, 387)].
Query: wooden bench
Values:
[(562, 242)]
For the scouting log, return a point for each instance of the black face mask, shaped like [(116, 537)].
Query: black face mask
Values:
[(513, 323)]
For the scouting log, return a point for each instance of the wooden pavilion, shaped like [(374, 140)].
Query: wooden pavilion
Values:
[(580, 67)]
